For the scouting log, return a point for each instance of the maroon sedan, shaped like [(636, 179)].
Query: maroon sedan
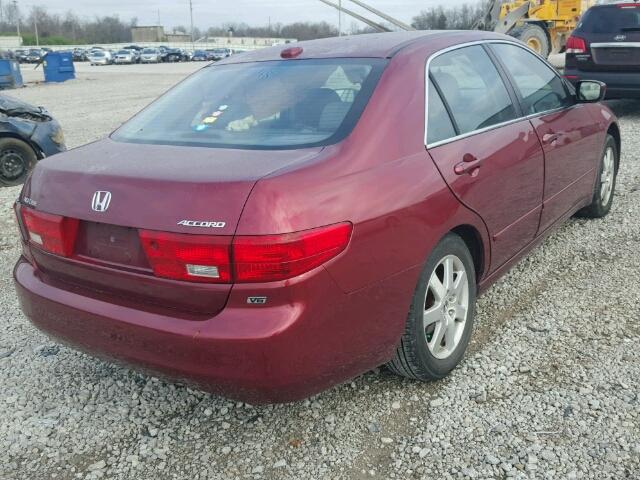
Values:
[(287, 219)]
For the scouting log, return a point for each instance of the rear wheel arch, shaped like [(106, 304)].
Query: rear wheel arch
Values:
[(474, 242), (33, 146), (614, 131)]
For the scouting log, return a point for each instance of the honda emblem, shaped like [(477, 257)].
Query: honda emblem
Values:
[(101, 201)]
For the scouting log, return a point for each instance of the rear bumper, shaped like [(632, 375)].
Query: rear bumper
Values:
[(309, 337), (619, 84)]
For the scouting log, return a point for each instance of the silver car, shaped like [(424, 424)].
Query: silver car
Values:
[(125, 56), (100, 57), (150, 55)]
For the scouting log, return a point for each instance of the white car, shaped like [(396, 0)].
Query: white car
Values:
[(100, 57), (150, 55), (125, 56)]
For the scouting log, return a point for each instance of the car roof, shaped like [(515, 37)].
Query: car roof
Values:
[(374, 45)]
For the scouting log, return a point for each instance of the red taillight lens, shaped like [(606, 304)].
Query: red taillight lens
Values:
[(576, 45), (278, 257), (194, 258), (51, 233), (255, 259)]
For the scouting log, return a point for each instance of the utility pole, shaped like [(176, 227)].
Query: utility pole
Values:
[(158, 17), (340, 18), (191, 14), (35, 27), (17, 13)]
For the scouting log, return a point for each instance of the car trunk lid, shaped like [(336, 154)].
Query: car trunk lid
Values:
[(197, 191)]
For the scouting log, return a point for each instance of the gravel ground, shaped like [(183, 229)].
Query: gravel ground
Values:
[(549, 388)]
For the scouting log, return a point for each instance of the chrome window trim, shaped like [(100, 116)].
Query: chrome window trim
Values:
[(492, 127), (616, 45)]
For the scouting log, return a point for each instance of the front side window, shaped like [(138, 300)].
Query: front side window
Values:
[(472, 88), (261, 105), (540, 88)]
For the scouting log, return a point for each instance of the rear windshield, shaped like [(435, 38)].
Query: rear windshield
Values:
[(149, 50), (97, 54), (124, 52), (262, 105), (613, 19)]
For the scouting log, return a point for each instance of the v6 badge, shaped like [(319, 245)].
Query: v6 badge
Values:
[(257, 300)]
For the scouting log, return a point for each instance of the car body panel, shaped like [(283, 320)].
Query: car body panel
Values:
[(511, 210), (569, 138), (30, 123)]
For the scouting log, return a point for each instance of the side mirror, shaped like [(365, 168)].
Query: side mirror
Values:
[(590, 91)]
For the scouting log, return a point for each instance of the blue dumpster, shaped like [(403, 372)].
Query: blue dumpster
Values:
[(58, 67), (10, 76)]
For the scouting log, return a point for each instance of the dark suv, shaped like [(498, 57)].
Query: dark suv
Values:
[(606, 46)]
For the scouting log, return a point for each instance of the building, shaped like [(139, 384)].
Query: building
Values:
[(152, 33), (10, 42), (178, 37)]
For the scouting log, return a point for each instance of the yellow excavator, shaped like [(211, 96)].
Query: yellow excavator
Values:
[(544, 25)]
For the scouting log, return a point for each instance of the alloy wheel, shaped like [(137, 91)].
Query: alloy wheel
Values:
[(608, 176), (446, 307)]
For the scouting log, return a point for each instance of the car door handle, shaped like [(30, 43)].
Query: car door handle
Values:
[(549, 138), (469, 165)]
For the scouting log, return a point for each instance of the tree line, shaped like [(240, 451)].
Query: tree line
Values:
[(70, 29)]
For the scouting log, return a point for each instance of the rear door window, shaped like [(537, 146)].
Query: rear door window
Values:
[(439, 124), (472, 88), (539, 86)]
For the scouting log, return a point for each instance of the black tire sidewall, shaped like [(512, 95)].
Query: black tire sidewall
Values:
[(27, 154), (432, 367)]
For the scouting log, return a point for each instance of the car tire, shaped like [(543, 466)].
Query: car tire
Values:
[(604, 189), (446, 287), (17, 159)]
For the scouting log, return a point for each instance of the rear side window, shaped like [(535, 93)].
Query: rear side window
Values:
[(540, 88), (472, 88), (614, 19), (439, 125)]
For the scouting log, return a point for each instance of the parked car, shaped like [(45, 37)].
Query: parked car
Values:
[(125, 56), (216, 54), (150, 55), (199, 56), (79, 55), (262, 234), (27, 134), (176, 55), (164, 51), (100, 57), (34, 56), (21, 55), (606, 46)]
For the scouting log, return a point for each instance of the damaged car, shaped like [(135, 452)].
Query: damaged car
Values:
[(27, 135)]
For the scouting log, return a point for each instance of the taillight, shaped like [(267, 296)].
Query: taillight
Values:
[(249, 259), (278, 257), (51, 233), (194, 258), (576, 45)]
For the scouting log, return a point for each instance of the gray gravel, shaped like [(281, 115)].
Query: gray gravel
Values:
[(549, 388)]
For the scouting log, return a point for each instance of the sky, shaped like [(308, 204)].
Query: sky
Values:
[(214, 12)]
